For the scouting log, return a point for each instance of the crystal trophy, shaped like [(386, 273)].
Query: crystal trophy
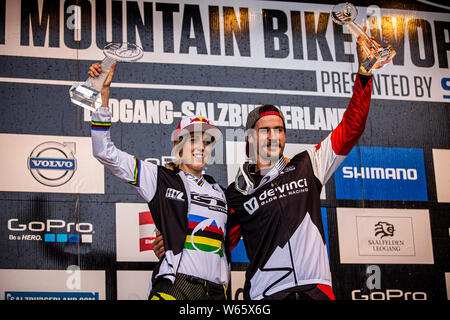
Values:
[(87, 94), (377, 56)]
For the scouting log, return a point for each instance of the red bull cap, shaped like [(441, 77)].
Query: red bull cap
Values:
[(196, 124)]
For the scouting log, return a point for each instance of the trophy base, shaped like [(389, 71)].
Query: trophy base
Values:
[(85, 96), (378, 58)]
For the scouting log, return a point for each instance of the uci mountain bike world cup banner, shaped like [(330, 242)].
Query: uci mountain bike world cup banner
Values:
[(252, 36)]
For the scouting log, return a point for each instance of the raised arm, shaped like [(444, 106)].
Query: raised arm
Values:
[(142, 175), (330, 152)]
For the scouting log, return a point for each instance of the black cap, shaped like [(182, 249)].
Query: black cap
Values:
[(261, 111)]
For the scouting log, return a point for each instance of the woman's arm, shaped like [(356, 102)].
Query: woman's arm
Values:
[(142, 175)]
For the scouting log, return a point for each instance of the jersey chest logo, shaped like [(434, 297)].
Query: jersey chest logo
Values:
[(251, 205), (277, 192), (174, 194)]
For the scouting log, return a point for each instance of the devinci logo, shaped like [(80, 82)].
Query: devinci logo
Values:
[(278, 192), (174, 194)]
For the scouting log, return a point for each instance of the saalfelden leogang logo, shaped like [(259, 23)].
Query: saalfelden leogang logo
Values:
[(385, 236)]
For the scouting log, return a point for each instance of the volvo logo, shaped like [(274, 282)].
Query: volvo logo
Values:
[(52, 163)]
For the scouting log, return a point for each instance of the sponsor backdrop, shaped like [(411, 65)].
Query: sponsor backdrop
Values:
[(71, 230)]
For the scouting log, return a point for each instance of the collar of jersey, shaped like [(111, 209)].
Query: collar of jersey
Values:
[(245, 183), (199, 181)]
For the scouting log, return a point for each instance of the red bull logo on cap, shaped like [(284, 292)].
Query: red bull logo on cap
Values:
[(200, 119)]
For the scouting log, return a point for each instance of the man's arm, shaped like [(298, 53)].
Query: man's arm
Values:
[(158, 245), (142, 175), (234, 230), (234, 236), (330, 152)]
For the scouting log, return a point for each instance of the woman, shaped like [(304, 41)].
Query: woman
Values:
[(187, 207)]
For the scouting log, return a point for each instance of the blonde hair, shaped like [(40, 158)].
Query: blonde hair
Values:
[(177, 146), (172, 166)]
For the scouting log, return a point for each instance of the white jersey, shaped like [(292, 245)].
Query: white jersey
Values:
[(204, 252), (203, 255)]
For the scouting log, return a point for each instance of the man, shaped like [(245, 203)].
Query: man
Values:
[(275, 204)]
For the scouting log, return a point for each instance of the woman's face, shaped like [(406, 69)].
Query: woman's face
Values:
[(196, 151)]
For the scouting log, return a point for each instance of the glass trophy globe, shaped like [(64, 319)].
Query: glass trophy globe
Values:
[(87, 94), (377, 56)]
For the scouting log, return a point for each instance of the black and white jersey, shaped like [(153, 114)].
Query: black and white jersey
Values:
[(191, 212), (203, 254), (279, 214)]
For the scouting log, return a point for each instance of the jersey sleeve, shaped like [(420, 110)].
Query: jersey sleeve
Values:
[(233, 223), (234, 230), (141, 175), (330, 152)]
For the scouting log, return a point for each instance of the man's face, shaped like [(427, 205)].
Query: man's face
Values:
[(270, 138)]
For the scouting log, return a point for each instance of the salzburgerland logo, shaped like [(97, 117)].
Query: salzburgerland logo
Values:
[(32, 295), (46, 231), (52, 163)]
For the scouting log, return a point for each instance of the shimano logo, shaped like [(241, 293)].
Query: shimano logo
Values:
[(251, 205), (174, 194), (379, 173)]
